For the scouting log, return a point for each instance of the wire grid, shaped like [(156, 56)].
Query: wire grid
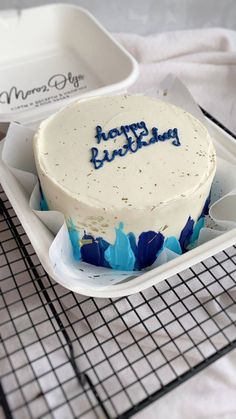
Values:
[(67, 355)]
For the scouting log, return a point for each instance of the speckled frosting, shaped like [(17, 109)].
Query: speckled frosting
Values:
[(131, 174)]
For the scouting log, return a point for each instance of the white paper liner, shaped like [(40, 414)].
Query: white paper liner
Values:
[(18, 155)]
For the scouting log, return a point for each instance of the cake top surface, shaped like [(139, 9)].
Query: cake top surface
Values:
[(125, 151)]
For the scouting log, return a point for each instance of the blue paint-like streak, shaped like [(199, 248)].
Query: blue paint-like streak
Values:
[(133, 243), (94, 252), (186, 233), (126, 254), (172, 244), (149, 245), (120, 255), (134, 247), (103, 245), (197, 228), (75, 240), (43, 203), (205, 209)]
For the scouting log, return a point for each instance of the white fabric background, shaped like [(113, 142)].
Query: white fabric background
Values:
[(205, 60), (149, 16)]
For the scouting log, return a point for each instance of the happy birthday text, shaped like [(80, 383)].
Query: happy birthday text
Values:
[(133, 135)]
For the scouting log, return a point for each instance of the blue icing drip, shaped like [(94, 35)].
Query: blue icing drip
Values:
[(134, 247), (43, 204), (93, 251), (205, 209), (186, 233), (198, 226), (172, 243), (120, 255), (149, 244), (133, 244), (103, 245), (74, 237)]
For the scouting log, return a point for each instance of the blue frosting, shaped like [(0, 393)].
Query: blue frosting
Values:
[(205, 209), (173, 244), (197, 228), (74, 237), (134, 247), (127, 253), (149, 244), (186, 233), (133, 244), (120, 255), (103, 244), (43, 203), (134, 142), (93, 250)]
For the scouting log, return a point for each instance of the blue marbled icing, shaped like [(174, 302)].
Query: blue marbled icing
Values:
[(197, 228), (75, 240), (128, 254), (205, 209), (134, 247), (103, 244), (173, 244), (131, 253), (149, 244), (120, 255), (94, 252), (43, 203), (186, 233), (133, 244)]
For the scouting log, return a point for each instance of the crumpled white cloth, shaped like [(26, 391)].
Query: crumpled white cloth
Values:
[(205, 60)]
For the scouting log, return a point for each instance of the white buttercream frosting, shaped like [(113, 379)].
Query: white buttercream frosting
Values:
[(156, 188)]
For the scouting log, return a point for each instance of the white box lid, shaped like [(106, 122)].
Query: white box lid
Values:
[(54, 54)]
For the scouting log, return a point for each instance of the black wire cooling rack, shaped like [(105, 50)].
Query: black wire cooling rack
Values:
[(64, 355)]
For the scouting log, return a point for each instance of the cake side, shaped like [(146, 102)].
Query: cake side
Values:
[(159, 187)]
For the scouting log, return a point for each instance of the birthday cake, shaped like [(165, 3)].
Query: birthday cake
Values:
[(131, 174)]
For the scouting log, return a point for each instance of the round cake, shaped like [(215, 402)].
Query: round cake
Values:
[(131, 174)]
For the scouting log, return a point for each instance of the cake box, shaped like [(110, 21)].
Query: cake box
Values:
[(52, 55), (44, 70)]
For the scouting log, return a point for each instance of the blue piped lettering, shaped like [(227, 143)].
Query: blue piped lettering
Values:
[(134, 134), (100, 135), (96, 162)]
